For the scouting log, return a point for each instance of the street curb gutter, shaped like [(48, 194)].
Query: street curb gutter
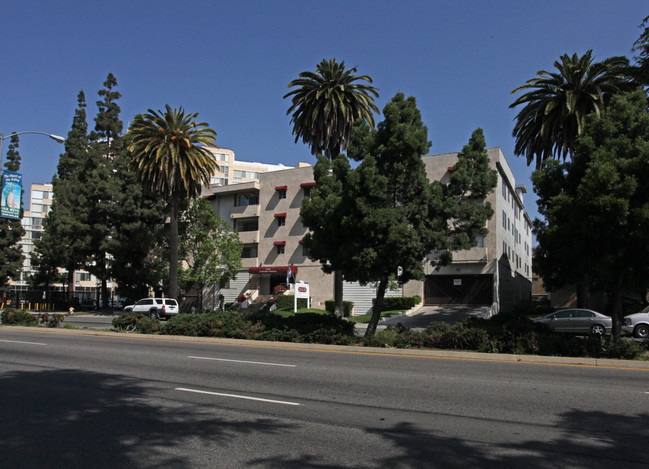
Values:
[(415, 353)]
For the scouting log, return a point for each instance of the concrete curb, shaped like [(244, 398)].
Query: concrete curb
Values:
[(416, 353)]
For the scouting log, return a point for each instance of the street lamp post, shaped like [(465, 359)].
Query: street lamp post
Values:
[(56, 138)]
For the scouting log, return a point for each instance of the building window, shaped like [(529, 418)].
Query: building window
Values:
[(281, 193), (504, 190), (504, 220), (306, 252), (248, 199), (307, 192), (504, 248), (478, 242), (248, 225), (249, 252), (281, 221), (280, 249)]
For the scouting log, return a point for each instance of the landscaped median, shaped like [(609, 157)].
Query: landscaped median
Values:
[(501, 334)]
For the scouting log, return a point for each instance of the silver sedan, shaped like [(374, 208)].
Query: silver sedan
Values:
[(577, 320)]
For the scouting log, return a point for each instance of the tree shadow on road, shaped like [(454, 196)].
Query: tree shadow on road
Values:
[(74, 419), (586, 440)]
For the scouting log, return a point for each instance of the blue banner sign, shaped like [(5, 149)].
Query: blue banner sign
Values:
[(12, 189)]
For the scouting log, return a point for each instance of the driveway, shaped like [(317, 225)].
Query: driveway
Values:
[(422, 317)]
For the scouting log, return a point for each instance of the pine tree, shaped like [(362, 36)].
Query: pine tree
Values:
[(11, 231), (98, 186), (63, 241)]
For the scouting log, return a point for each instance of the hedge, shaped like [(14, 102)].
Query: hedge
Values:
[(403, 302), (287, 302), (348, 307)]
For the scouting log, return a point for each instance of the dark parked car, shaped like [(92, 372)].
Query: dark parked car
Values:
[(577, 320)]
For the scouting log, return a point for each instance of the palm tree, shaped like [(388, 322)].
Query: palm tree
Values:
[(170, 157), (555, 108), (325, 105)]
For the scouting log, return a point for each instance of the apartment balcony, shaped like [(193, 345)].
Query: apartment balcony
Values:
[(249, 237), (246, 211), (471, 255)]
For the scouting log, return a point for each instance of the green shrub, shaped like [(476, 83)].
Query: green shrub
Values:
[(399, 303), (396, 337), (348, 307), (51, 319), (18, 317), (460, 337), (136, 322), (287, 302), (226, 324)]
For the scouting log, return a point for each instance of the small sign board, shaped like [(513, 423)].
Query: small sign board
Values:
[(457, 282), (11, 197), (301, 291)]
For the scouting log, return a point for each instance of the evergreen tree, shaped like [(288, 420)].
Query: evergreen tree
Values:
[(11, 231), (385, 216), (596, 207), (137, 243), (64, 238), (98, 185)]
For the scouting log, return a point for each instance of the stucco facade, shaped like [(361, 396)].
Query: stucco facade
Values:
[(266, 215)]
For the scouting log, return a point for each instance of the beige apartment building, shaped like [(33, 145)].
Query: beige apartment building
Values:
[(266, 215), (40, 201)]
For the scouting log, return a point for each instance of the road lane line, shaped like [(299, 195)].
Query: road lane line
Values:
[(241, 361), (21, 342), (238, 396)]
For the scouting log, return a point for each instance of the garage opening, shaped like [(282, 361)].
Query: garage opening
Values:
[(458, 290)]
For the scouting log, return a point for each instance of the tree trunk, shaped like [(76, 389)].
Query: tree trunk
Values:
[(617, 312), (583, 291), (173, 249), (339, 307), (376, 310), (70, 287)]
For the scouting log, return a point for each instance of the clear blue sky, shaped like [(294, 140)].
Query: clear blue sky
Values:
[(231, 62)]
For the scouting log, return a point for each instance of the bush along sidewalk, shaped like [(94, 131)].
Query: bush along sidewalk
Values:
[(499, 334)]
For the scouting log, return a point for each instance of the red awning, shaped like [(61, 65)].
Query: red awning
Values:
[(300, 242), (280, 215), (281, 188), (272, 269), (308, 184), (279, 243), (451, 168)]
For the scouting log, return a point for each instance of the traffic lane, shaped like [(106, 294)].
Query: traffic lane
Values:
[(432, 385), (399, 427)]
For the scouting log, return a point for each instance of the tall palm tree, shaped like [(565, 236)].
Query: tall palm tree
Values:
[(325, 105), (170, 157), (555, 109)]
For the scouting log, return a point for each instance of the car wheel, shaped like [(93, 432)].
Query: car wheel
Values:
[(153, 314), (597, 329), (641, 331)]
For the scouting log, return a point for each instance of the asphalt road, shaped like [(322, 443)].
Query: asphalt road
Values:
[(82, 399)]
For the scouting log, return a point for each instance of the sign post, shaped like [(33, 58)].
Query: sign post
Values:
[(301, 291)]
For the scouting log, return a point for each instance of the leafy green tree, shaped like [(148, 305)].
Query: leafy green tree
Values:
[(11, 231), (63, 241), (170, 158), (209, 248), (325, 104), (387, 215), (598, 204), (555, 105)]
